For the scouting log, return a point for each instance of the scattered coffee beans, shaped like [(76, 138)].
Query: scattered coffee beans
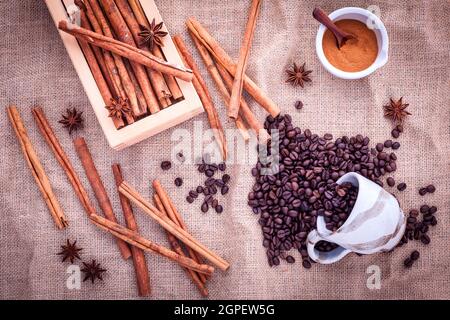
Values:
[(211, 186), (166, 165)]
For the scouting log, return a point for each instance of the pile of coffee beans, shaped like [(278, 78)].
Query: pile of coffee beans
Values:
[(212, 186), (303, 184)]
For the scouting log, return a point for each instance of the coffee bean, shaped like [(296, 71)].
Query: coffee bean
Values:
[(328, 136), (202, 168), (401, 186), (298, 105), (209, 172), (408, 262), (395, 133), (433, 221), (224, 190), (415, 255), (219, 208), (431, 188), (379, 147), (166, 165), (395, 145), (432, 210), (222, 166), (290, 259), (306, 264), (390, 181), (204, 207), (425, 239), (189, 199), (424, 209), (388, 143), (214, 203), (226, 178), (399, 128), (199, 189), (423, 191), (178, 182)]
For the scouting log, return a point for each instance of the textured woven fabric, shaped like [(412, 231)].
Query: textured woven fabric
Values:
[(36, 70)]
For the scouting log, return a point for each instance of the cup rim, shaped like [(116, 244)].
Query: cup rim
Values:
[(383, 52)]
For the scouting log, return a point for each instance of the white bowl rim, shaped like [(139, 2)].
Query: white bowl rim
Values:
[(363, 73)]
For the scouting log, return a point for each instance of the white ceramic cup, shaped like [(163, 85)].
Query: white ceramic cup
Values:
[(376, 224), (373, 22)]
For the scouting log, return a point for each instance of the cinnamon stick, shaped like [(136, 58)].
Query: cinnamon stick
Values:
[(139, 261), (173, 215), (139, 93), (167, 224), (245, 111), (176, 247), (236, 91), (171, 82), (36, 168), (122, 78), (224, 59), (203, 93), (156, 77), (142, 20), (99, 189), (132, 53), (123, 33), (51, 139), (98, 77), (135, 239), (224, 91)]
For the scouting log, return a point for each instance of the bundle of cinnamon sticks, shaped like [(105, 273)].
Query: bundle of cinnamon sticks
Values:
[(125, 69)]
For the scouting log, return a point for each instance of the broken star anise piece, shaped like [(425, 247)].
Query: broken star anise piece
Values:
[(92, 271), (70, 251), (72, 120), (395, 110), (153, 35), (118, 108), (297, 76)]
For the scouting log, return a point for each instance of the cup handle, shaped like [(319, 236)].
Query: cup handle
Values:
[(323, 257)]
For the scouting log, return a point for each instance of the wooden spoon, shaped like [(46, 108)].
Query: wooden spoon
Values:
[(340, 35)]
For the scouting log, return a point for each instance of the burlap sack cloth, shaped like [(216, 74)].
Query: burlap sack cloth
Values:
[(36, 70)]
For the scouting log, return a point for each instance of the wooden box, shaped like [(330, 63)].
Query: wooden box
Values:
[(149, 125)]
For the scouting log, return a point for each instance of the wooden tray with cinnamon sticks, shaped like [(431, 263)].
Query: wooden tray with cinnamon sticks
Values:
[(137, 84)]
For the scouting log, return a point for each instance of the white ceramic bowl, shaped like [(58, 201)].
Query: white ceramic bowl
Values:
[(380, 31)]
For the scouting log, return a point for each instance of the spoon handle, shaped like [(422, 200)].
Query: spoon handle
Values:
[(323, 18)]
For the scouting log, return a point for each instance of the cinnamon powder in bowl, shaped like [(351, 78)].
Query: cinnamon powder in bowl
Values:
[(356, 54)]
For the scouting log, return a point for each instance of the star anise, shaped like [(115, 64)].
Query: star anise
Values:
[(70, 251), (395, 110), (152, 35), (92, 271), (118, 108), (72, 120), (297, 76)]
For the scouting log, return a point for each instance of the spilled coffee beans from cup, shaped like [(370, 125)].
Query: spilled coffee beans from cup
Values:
[(300, 184)]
